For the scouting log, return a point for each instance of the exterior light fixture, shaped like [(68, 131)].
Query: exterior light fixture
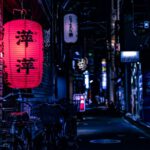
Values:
[(129, 56), (146, 24)]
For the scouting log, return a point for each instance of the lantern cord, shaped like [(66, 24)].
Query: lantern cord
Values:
[(23, 11), (21, 4)]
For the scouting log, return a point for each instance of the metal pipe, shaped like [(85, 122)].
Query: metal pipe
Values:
[(43, 8), (65, 4)]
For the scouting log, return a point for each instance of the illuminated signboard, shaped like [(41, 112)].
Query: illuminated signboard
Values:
[(129, 56), (70, 28), (86, 79)]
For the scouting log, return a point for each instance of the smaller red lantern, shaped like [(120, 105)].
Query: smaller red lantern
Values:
[(79, 100), (82, 103)]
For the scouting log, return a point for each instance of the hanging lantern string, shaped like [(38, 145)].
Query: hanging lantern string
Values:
[(21, 1), (22, 11)]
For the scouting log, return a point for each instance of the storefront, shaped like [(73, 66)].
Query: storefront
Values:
[(136, 90)]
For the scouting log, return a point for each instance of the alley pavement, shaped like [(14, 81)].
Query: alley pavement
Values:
[(102, 129)]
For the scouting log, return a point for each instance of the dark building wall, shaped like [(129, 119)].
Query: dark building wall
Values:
[(146, 83), (135, 37), (61, 87)]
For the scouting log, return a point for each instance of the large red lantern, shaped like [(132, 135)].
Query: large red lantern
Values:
[(23, 53)]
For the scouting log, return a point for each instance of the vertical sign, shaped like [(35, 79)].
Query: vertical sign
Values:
[(104, 75), (70, 28), (1, 56)]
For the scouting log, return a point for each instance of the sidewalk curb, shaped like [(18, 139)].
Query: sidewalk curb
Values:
[(139, 123)]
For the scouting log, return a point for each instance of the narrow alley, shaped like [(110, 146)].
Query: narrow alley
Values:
[(105, 130)]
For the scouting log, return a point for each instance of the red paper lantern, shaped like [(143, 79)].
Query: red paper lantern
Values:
[(23, 53)]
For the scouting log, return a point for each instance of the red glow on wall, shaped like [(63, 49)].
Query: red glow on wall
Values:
[(23, 53)]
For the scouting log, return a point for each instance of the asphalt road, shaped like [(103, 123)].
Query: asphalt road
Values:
[(103, 130)]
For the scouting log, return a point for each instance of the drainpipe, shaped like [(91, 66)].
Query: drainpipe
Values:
[(52, 70), (1, 58), (112, 54)]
